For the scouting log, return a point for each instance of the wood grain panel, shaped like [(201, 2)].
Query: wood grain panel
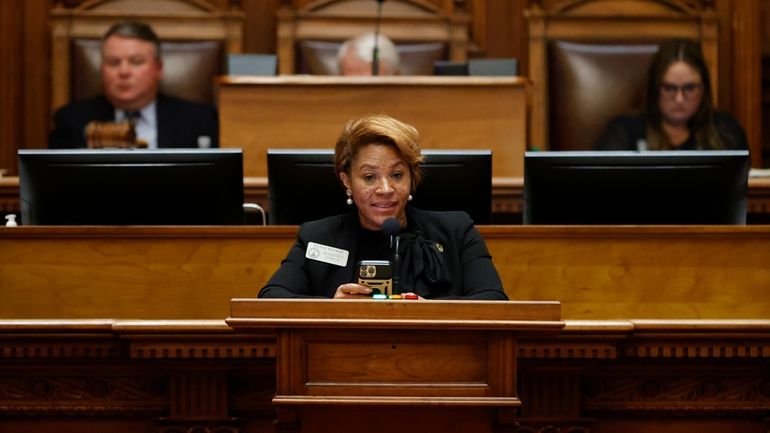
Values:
[(309, 112), (113, 275), (618, 272), (11, 80), (191, 273), (370, 362), (36, 70), (746, 65)]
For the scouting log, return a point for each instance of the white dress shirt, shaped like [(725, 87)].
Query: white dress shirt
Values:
[(146, 126)]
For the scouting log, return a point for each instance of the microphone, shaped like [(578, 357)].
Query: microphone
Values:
[(376, 49), (391, 227)]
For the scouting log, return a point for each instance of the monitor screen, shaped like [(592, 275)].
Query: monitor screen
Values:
[(662, 187), (302, 185), (131, 187)]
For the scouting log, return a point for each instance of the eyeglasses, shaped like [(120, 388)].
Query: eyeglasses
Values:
[(669, 91)]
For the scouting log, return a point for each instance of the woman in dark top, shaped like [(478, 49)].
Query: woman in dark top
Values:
[(679, 112), (442, 255)]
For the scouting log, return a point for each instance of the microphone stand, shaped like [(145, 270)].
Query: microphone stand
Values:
[(376, 50), (396, 279)]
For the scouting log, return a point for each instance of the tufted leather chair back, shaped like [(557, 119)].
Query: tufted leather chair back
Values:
[(320, 57), (189, 68), (588, 61), (197, 36), (308, 36), (588, 84)]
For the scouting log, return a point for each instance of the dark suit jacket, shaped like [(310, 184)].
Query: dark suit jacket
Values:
[(466, 268), (623, 132), (180, 122)]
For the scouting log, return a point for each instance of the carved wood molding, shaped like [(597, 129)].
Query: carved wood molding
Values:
[(215, 391), (566, 392), (667, 392), (200, 427), (690, 339), (164, 339), (202, 349), (718, 349), (545, 426), (62, 349), (58, 391), (568, 350)]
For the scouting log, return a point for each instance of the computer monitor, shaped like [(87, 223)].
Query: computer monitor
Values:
[(131, 187), (449, 67), (302, 185), (617, 187), (506, 67)]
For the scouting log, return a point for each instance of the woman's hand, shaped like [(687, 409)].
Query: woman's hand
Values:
[(353, 291)]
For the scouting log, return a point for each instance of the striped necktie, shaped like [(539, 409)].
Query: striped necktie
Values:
[(133, 117)]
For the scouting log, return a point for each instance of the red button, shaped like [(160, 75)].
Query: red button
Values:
[(409, 296)]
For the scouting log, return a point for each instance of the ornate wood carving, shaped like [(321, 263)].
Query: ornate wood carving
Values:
[(552, 427), (684, 390), (62, 390), (593, 374)]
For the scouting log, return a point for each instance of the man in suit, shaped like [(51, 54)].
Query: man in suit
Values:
[(131, 70)]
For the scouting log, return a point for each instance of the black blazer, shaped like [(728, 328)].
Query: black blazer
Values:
[(623, 133), (452, 256), (180, 122)]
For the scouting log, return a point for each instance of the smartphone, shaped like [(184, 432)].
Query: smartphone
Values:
[(377, 274)]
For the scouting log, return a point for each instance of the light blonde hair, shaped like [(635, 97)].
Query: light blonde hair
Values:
[(379, 129), (363, 46)]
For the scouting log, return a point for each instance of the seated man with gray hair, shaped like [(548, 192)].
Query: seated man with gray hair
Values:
[(355, 56)]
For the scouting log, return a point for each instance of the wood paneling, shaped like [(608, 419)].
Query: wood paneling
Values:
[(259, 26), (193, 376), (409, 354), (11, 106), (747, 73), (765, 26), (597, 273), (258, 113), (36, 71), (497, 30)]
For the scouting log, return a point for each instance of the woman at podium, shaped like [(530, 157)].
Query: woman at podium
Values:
[(385, 246)]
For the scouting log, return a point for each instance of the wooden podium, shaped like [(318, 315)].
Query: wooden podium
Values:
[(395, 366)]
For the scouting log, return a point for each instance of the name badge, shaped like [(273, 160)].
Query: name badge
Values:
[(326, 254)]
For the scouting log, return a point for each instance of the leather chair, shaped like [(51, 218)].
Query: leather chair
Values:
[(589, 84), (189, 69), (308, 37), (196, 39), (588, 62), (320, 57)]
